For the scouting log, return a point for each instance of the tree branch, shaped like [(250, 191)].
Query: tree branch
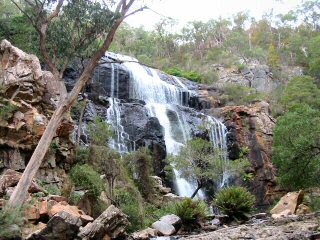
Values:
[(135, 11), (56, 12)]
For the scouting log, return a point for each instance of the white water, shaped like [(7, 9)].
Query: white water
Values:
[(161, 100)]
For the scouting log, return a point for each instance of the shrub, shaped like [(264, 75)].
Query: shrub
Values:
[(82, 154), (236, 94), (191, 75), (129, 200), (139, 165), (99, 131), (192, 213), (10, 221), (84, 176), (236, 202)]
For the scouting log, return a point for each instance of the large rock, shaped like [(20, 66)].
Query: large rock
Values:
[(164, 228), (251, 128), (172, 219), (33, 95), (10, 178), (288, 202), (62, 226), (112, 222)]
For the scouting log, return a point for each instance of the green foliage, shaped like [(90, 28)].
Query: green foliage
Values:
[(84, 176), (192, 75), (10, 221), (99, 131), (18, 30), (315, 203), (52, 189), (301, 90), (74, 198), (234, 94), (139, 166), (236, 202), (273, 57), (82, 154), (296, 148), (199, 161), (192, 213), (131, 203)]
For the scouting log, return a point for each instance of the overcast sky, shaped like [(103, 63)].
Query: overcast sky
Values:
[(189, 10)]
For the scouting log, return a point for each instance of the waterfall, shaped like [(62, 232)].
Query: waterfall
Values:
[(218, 137), (163, 101)]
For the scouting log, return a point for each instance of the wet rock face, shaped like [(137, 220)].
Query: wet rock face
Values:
[(31, 95), (252, 127)]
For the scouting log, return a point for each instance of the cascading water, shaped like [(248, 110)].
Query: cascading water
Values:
[(163, 101)]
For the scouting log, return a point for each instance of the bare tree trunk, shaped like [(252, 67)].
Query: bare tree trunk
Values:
[(20, 192), (197, 190), (80, 122)]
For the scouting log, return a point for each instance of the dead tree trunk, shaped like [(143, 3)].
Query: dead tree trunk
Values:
[(19, 195)]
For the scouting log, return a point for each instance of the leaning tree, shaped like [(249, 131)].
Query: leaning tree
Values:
[(66, 29)]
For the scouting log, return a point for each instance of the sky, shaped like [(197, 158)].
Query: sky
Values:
[(188, 10)]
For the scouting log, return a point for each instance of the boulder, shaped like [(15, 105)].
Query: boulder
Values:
[(164, 228), (59, 207), (10, 178), (112, 222), (172, 219), (289, 202), (145, 234), (62, 226)]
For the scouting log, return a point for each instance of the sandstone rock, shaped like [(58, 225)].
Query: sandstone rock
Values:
[(73, 210), (163, 228), (43, 208), (62, 226), (172, 219), (32, 213), (10, 178), (290, 202), (303, 209), (285, 213), (112, 222), (145, 234)]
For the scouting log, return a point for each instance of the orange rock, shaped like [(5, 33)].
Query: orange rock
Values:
[(32, 213), (43, 208), (290, 202), (73, 210)]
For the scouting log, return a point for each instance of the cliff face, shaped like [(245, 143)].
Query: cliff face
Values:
[(28, 98), (251, 130)]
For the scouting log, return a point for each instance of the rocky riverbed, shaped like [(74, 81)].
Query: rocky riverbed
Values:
[(295, 227)]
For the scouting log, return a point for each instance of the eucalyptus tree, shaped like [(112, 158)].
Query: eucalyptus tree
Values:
[(67, 28)]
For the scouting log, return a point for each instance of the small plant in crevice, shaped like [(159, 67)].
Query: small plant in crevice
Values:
[(191, 212), (236, 202)]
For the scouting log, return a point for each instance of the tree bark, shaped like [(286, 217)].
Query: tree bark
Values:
[(80, 122), (20, 192), (196, 191)]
